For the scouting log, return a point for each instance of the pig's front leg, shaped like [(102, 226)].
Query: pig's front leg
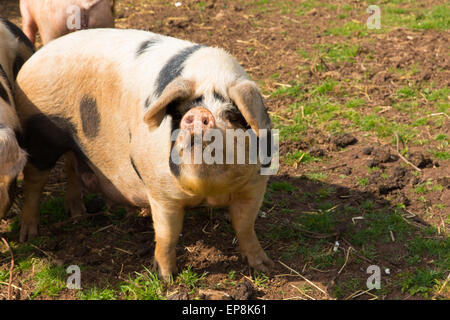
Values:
[(168, 223), (243, 212)]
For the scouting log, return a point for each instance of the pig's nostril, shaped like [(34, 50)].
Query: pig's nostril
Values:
[(189, 119)]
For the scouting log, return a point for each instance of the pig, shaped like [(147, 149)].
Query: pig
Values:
[(55, 18), (121, 101), (15, 49)]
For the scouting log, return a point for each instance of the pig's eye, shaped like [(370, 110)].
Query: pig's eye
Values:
[(197, 101), (173, 110), (236, 118)]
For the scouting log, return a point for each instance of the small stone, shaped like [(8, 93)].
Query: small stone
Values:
[(381, 154), (178, 296), (372, 163), (209, 294), (243, 291), (399, 172), (317, 152), (348, 171), (419, 160), (367, 151), (344, 140)]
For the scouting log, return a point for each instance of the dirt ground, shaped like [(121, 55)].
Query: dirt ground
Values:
[(374, 187)]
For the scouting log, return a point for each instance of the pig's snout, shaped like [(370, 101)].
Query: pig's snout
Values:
[(197, 120)]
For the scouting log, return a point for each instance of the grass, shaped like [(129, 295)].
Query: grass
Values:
[(422, 282), (278, 186), (144, 286), (299, 157), (97, 294), (190, 278), (50, 280)]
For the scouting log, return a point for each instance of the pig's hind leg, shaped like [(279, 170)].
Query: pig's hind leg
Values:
[(34, 182), (73, 201)]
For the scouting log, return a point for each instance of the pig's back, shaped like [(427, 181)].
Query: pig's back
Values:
[(103, 47), (142, 58)]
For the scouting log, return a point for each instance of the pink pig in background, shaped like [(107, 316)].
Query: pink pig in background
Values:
[(55, 18)]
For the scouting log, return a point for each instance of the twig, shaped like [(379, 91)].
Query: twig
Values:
[(12, 285), (124, 251), (315, 235), (346, 259), (332, 167), (439, 114), (297, 273), (402, 157), (356, 251), (392, 235), (10, 268), (359, 293), (103, 228), (301, 292)]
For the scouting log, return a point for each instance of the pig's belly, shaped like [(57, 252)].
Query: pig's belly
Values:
[(123, 190)]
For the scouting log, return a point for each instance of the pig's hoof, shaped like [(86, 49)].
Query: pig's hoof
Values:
[(75, 208), (260, 262), (166, 275), (28, 231)]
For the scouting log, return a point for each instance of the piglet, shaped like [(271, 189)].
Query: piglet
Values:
[(15, 49), (55, 18)]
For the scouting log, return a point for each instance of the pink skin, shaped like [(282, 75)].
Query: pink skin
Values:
[(49, 17), (197, 118)]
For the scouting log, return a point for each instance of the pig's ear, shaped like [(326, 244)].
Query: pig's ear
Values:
[(248, 99), (179, 89)]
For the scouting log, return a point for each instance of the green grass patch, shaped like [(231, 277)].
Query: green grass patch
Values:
[(190, 278), (97, 294), (145, 286), (299, 157), (422, 281), (278, 186), (339, 52), (50, 280), (349, 29), (53, 211)]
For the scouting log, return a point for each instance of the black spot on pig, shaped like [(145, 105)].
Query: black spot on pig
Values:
[(18, 63), (136, 169), (174, 68), (147, 103), (174, 168), (47, 138), (5, 77), (17, 33), (90, 118), (144, 46), (4, 94), (219, 97)]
